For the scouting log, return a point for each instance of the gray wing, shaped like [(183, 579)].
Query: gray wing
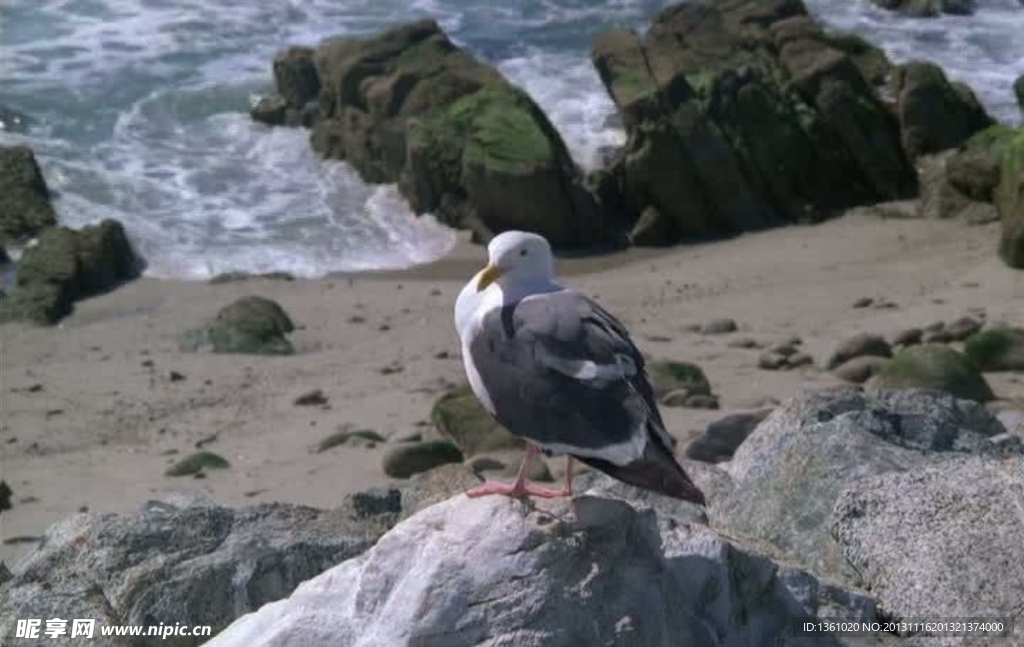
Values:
[(563, 372)]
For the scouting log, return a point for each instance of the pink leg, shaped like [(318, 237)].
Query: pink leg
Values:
[(520, 488)]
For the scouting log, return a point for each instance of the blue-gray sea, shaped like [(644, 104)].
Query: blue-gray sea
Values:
[(138, 110)]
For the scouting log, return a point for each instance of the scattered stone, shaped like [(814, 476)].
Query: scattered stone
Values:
[(744, 342), (771, 361), (666, 376), (935, 326), (962, 328), (908, 337), (864, 344), (863, 302), (934, 366), (392, 369), (175, 376), (936, 337), (314, 398), (997, 349), (460, 417), (5, 496), (719, 327), (176, 562), (412, 458), (785, 349), (350, 436), (486, 464), (701, 402), (442, 354), (721, 438), (250, 325), (796, 360), (196, 463), (860, 369), (25, 208), (408, 437)]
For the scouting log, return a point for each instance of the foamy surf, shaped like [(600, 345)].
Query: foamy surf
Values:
[(139, 112)]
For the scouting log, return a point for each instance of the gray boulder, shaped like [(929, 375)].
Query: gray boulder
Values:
[(943, 541), (860, 369), (489, 572), (788, 473), (184, 560), (25, 207), (251, 325)]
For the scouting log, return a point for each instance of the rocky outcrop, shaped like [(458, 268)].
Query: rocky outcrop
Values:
[(408, 106), (251, 325), (25, 207), (1010, 202), (928, 8), (942, 540), (789, 472), (934, 113), (184, 560), (742, 116), (934, 366), (66, 265), (492, 572)]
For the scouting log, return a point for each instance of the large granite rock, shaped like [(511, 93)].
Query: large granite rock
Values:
[(184, 560), (1010, 202), (489, 572), (943, 541), (789, 472), (66, 265), (25, 207), (934, 113), (251, 325), (743, 115), (463, 143)]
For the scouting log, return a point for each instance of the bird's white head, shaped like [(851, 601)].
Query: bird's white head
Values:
[(517, 257)]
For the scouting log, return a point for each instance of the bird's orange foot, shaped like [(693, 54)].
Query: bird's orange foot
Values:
[(516, 490)]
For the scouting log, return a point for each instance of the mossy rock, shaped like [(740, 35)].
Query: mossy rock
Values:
[(405, 460), (251, 325), (195, 463), (934, 366), (25, 207), (975, 167), (1010, 203), (998, 349), (667, 376), (498, 128), (460, 417)]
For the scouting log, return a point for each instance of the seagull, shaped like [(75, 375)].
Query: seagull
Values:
[(556, 368)]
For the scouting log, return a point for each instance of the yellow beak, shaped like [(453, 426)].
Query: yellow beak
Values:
[(486, 276)]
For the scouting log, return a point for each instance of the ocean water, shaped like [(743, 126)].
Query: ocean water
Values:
[(138, 110)]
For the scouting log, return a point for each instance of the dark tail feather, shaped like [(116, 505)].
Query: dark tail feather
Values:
[(657, 470)]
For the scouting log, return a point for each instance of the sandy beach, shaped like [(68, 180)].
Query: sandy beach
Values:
[(91, 416)]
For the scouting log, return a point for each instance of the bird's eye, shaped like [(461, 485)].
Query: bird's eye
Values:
[(522, 252)]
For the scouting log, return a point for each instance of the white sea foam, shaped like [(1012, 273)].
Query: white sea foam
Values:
[(139, 112)]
